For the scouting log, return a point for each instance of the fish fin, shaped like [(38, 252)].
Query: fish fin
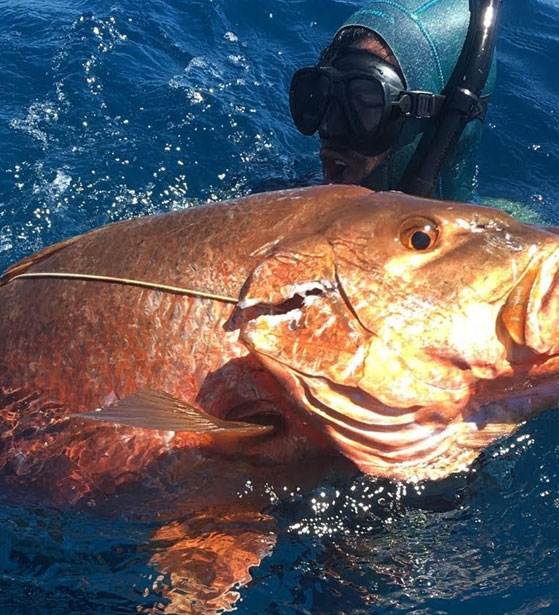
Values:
[(149, 409), (478, 438)]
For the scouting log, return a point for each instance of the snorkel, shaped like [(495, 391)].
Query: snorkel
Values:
[(462, 103)]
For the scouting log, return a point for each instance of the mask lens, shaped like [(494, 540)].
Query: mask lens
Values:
[(334, 125), (367, 101), (308, 96)]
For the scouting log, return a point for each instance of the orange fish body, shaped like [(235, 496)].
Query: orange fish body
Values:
[(347, 337), (70, 346)]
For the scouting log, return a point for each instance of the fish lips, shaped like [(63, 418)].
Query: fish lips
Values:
[(529, 319)]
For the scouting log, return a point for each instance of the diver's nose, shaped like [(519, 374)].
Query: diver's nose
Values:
[(334, 124)]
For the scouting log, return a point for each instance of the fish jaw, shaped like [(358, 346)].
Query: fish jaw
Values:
[(396, 442)]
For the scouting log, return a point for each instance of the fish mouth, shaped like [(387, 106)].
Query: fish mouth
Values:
[(529, 318)]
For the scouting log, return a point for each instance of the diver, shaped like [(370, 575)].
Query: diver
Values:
[(399, 96)]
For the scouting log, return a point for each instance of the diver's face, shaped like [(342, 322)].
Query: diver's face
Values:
[(341, 165)]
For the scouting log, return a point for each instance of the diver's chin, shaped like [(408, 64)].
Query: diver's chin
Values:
[(342, 166)]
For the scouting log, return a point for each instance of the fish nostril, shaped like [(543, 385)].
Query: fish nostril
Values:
[(460, 363)]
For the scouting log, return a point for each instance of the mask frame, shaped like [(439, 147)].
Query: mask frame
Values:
[(313, 91)]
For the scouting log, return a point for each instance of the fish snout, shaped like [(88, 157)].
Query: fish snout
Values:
[(529, 319)]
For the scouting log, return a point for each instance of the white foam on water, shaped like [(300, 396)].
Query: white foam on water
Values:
[(6, 243)]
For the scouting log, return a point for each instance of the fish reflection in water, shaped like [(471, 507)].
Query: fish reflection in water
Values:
[(208, 557), (222, 522)]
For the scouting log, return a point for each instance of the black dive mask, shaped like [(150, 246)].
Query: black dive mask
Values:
[(359, 102)]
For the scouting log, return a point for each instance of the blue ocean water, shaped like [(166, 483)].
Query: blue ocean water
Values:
[(114, 109)]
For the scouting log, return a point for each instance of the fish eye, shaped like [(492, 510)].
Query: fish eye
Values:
[(419, 234)]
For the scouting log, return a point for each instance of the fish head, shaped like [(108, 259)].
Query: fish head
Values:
[(412, 332)]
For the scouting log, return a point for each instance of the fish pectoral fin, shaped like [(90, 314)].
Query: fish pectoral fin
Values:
[(149, 409)]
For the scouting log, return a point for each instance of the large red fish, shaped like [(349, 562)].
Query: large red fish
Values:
[(405, 333)]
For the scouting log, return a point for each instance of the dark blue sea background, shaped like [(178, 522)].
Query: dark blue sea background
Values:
[(115, 108)]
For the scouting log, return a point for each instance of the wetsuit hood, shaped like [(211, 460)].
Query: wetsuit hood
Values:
[(426, 37)]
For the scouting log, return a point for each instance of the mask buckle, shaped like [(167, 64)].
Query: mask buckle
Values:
[(419, 105)]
